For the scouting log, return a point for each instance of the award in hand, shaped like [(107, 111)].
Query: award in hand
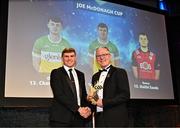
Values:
[(93, 90)]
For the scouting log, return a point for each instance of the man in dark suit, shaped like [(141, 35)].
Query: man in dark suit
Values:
[(112, 86), (69, 107)]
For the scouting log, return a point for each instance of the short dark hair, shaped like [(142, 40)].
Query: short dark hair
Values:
[(102, 25), (144, 34), (68, 50), (55, 19)]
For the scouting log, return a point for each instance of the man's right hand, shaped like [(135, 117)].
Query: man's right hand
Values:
[(84, 111)]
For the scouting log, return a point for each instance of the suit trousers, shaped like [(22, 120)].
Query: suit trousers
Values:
[(99, 120)]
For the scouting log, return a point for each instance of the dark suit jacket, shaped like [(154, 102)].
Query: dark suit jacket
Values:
[(115, 96), (64, 105)]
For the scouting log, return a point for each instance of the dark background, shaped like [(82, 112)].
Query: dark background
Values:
[(153, 113)]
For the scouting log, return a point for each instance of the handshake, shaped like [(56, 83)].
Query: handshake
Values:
[(93, 98), (84, 111)]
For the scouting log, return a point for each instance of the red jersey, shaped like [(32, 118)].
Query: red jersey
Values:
[(146, 64)]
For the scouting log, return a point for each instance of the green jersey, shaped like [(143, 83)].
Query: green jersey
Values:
[(49, 52), (112, 48)]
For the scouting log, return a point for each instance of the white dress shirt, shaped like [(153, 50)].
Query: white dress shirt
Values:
[(102, 78), (76, 82)]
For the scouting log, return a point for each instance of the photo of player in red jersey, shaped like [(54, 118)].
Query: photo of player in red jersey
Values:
[(145, 65)]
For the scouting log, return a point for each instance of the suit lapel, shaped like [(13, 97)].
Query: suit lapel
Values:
[(97, 77), (111, 70), (68, 80)]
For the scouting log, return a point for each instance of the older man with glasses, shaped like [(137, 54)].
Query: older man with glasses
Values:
[(112, 97)]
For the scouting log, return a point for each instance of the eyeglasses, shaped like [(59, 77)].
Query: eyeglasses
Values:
[(102, 55)]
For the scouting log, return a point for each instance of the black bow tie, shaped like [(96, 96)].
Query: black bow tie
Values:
[(104, 70)]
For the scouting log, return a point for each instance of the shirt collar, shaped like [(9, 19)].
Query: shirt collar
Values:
[(102, 42), (67, 68), (106, 68)]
